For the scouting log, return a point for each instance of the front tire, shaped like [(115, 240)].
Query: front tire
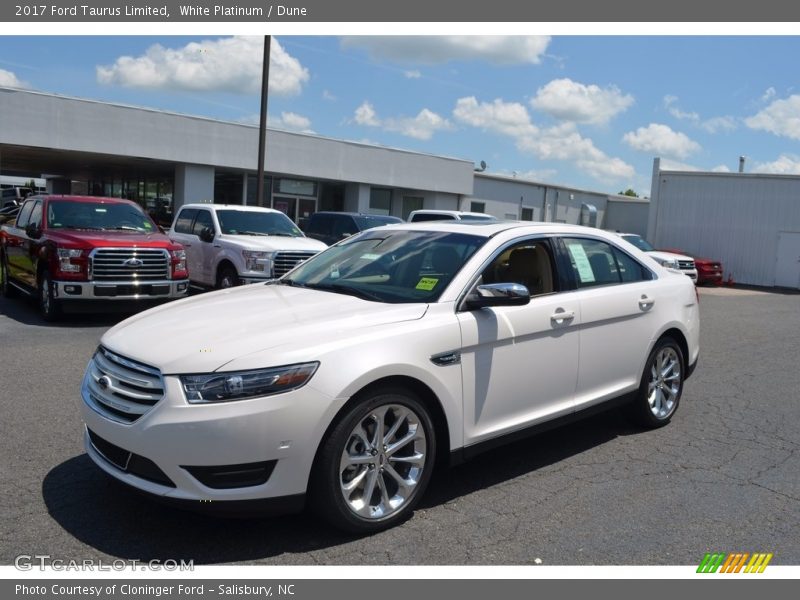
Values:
[(662, 385), (227, 278), (6, 289), (375, 463), (49, 307)]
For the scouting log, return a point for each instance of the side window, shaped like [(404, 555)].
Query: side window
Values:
[(183, 224), (528, 263), (36, 215), (202, 221), (596, 263), (344, 225), (24, 215), (319, 224)]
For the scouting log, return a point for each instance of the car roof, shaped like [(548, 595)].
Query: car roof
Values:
[(87, 199), (356, 214), (240, 207), (437, 211), (492, 228)]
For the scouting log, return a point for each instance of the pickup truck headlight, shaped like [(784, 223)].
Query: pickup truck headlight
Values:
[(258, 260), (64, 263), (178, 261), (224, 387)]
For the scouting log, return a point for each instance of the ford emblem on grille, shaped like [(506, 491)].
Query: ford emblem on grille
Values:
[(133, 262), (104, 382)]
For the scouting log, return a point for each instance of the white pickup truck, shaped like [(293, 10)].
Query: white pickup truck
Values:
[(227, 245)]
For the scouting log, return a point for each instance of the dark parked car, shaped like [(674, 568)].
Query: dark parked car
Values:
[(332, 227)]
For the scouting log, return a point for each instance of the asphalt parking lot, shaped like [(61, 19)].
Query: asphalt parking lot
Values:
[(723, 476)]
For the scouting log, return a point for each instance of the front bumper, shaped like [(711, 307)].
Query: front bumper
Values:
[(120, 290), (180, 439)]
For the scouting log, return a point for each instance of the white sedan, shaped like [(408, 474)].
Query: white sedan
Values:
[(340, 384)]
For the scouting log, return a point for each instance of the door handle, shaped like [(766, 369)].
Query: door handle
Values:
[(645, 302), (562, 315)]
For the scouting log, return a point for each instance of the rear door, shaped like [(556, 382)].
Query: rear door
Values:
[(619, 306)]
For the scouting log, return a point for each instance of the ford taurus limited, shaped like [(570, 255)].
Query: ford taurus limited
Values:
[(342, 383)]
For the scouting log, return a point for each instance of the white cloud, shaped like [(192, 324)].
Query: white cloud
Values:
[(721, 169), (712, 125), (781, 117), (785, 164), (230, 64), (291, 122), (496, 49), (421, 127), (413, 74), (580, 103), (365, 115), (661, 140), (9, 79), (327, 95), (769, 94), (562, 142)]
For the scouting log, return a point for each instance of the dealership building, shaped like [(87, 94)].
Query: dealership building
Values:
[(155, 157)]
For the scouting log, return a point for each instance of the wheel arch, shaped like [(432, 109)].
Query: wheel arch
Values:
[(680, 338), (402, 382)]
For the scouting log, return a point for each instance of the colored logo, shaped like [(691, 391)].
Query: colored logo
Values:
[(734, 563)]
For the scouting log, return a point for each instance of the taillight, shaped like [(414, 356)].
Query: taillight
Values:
[(179, 270)]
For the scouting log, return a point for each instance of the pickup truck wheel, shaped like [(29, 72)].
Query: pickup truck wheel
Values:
[(49, 307), (375, 464), (5, 286), (227, 278), (661, 386)]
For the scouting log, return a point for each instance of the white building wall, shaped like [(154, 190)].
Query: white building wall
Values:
[(733, 217)]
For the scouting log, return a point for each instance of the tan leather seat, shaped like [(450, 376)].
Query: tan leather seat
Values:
[(531, 267)]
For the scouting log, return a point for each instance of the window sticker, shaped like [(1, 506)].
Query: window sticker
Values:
[(370, 256), (427, 283), (578, 254)]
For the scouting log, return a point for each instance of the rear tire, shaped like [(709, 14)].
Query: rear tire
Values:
[(662, 385), (374, 465), (49, 307)]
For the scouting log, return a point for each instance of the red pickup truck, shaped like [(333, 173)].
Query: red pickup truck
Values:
[(66, 248)]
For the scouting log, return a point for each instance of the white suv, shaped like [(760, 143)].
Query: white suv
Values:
[(670, 260), (229, 244), (344, 381)]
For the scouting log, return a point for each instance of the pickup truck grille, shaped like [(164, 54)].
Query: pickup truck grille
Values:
[(122, 389), (686, 265), (286, 261), (126, 264)]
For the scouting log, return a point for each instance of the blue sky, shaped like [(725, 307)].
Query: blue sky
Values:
[(585, 111)]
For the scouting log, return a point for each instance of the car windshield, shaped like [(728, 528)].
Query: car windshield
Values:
[(249, 222), (395, 266), (368, 222), (67, 214), (638, 241)]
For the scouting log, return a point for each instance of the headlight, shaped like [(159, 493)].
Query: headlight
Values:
[(257, 260), (64, 256), (223, 387), (669, 263), (178, 260)]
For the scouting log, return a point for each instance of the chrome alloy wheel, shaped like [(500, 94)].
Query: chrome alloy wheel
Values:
[(665, 383), (382, 461)]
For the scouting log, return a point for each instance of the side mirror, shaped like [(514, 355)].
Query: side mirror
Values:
[(32, 231), (207, 234), (498, 294)]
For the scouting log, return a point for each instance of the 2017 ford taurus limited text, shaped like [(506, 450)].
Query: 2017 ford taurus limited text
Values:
[(342, 383)]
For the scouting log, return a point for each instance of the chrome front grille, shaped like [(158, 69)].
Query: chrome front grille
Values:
[(122, 389), (286, 261), (126, 264), (686, 265)]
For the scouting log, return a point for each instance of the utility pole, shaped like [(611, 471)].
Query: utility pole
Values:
[(262, 130)]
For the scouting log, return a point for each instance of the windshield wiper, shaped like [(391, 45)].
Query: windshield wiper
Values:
[(291, 282), (127, 228), (253, 233), (89, 227), (352, 291)]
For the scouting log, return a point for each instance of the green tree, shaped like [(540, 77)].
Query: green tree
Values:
[(629, 192)]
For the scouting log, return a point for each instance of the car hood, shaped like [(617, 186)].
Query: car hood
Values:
[(203, 333), (668, 255), (109, 239), (273, 242)]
